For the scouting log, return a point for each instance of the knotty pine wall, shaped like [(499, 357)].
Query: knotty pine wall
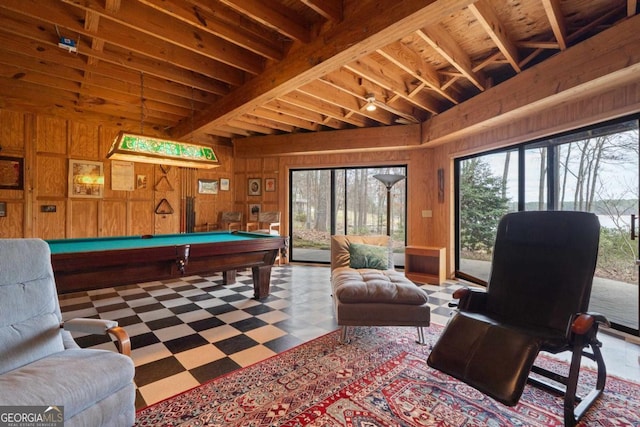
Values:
[(267, 167), (47, 144)]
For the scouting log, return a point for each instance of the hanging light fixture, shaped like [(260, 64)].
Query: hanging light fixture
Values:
[(147, 149), (371, 99)]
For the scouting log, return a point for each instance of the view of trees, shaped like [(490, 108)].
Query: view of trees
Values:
[(483, 202), (360, 204), (597, 174)]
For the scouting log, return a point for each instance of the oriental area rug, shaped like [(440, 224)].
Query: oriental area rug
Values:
[(380, 378)]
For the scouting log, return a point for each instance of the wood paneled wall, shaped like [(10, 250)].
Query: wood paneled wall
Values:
[(47, 144), (258, 168)]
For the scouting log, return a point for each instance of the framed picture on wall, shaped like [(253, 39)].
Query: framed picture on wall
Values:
[(254, 211), (224, 184), (254, 186), (270, 184), (11, 173), (141, 182), (86, 179), (208, 186)]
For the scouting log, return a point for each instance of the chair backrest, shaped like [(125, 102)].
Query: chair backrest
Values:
[(269, 217), (542, 268), (230, 217), (340, 256), (29, 311)]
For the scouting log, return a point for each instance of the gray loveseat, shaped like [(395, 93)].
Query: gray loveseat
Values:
[(40, 363)]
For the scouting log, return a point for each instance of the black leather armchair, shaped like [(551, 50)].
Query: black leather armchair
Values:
[(536, 300)]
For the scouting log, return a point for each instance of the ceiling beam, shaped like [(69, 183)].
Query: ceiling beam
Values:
[(25, 27), (274, 15), (372, 25), (558, 79), (438, 38), (556, 20), (413, 64), (368, 139), (169, 32), (486, 16), (329, 9), (213, 22)]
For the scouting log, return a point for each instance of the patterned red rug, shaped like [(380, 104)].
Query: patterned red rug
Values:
[(380, 379)]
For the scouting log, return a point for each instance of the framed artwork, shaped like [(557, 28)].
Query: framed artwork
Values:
[(254, 211), (141, 182), (224, 184), (11, 173), (86, 179), (270, 184), (122, 176), (254, 186), (208, 186)]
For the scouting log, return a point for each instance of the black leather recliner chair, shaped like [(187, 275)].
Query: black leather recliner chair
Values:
[(536, 300)]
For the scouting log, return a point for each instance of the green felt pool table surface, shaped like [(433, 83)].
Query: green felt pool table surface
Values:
[(61, 246), (93, 263)]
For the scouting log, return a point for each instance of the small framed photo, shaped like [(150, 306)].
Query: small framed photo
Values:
[(11, 173), (86, 179), (254, 212), (254, 186), (208, 186), (224, 184), (141, 182), (270, 184)]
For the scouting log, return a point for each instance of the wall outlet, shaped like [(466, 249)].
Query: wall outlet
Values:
[(427, 214)]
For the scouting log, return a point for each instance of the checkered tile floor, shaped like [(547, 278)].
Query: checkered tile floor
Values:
[(186, 332), (189, 331)]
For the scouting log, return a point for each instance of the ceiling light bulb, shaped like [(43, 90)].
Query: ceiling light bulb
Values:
[(371, 99)]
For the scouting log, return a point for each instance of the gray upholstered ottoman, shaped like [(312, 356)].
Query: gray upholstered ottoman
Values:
[(374, 297)]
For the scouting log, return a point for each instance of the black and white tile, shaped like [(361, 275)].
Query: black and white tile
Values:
[(189, 331)]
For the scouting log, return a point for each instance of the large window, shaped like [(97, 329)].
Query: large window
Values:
[(593, 170), (344, 201)]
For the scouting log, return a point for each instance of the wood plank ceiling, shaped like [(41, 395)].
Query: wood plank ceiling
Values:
[(218, 70)]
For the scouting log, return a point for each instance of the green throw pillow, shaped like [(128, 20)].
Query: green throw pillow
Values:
[(368, 256)]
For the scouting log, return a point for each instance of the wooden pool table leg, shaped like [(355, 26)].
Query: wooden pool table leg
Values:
[(261, 281), (229, 277)]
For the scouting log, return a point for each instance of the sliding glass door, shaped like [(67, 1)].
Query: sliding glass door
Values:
[(593, 170), (344, 201)]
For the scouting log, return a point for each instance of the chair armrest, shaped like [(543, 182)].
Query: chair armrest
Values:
[(585, 322), (470, 299), (600, 318), (101, 327), (234, 225)]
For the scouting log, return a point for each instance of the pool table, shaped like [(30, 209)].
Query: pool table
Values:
[(93, 263)]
